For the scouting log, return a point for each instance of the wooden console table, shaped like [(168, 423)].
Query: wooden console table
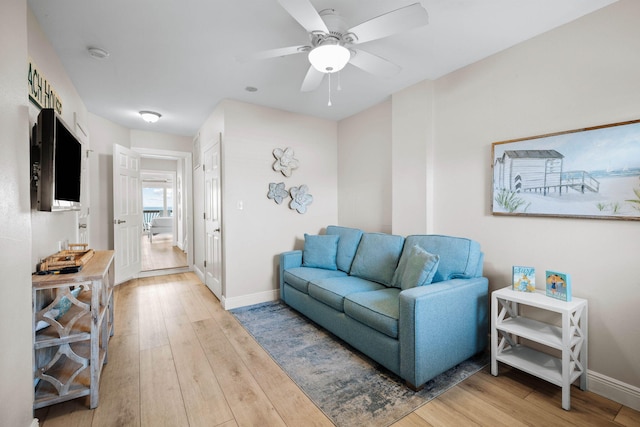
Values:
[(71, 333)]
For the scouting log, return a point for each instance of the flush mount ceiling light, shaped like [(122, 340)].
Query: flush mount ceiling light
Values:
[(150, 116), (329, 57), (98, 53)]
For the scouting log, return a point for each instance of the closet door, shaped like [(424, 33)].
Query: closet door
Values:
[(212, 219)]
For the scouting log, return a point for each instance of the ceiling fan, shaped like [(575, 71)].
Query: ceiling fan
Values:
[(332, 44)]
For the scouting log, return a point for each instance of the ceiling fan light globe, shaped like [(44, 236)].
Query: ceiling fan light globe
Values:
[(329, 58)]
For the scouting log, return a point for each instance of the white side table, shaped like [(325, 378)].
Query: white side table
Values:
[(508, 325)]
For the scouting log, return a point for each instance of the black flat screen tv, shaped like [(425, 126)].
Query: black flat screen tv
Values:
[(59, 156)]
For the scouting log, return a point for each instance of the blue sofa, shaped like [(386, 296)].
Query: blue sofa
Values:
[(416, 305)]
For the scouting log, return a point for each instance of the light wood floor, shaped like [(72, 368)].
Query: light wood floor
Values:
[(178, 359), (161, 254)]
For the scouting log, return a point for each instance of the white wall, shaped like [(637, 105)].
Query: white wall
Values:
[(163, 165), (412, 159), (16, 392), (51, 227), (364, 169), (104, 134), (254, 235), (160, 141), (582, 74)]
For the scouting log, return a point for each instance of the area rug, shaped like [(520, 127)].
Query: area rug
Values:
[(350, 388)]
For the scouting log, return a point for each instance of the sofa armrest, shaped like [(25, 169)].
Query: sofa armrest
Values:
[(441, 325), (288, 260)]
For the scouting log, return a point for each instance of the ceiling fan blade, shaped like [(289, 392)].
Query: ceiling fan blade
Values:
[(306, 15), (403, 19), (374, 64), (312, 80), (273, 53)]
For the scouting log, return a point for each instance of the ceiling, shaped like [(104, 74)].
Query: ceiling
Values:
[(179, 57)]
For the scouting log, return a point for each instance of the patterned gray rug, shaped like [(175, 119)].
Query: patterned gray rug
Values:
[(351, 389)]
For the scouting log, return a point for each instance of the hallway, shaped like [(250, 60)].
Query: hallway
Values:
[(161, 254)]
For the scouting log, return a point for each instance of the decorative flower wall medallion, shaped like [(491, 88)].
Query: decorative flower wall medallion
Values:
[(285, 162), (277, 192), (300, 198)]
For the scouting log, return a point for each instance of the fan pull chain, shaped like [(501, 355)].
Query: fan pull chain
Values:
[(329, 104)]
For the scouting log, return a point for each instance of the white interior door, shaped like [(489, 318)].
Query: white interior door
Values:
[(83, 215), (127, 212), (212, 220), (178, 201), (85, 200)]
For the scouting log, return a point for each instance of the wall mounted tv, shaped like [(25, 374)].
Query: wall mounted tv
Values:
[(57, 164)]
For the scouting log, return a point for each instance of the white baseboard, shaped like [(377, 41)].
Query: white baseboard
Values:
[(613, 389), (244, 300)]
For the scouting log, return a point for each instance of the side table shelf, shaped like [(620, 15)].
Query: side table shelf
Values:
[(72, 324), (509, 326)]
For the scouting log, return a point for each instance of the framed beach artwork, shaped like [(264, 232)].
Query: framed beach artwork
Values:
[(583, 173)]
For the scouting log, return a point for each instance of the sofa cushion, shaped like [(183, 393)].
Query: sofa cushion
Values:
[(416, 268), (332, 291), (377, 257), (299, 277), (347, 245), (379, 310), (459, 257), (320, 251)]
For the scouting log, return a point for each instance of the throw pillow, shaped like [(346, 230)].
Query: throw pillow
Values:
[(377, 257), (320, 251), (416, 269), (59, 309), (347, 245)]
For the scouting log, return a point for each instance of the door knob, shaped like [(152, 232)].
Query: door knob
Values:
[(118, 221), (82, 225)]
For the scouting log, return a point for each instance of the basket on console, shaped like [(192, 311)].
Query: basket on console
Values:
[(76, 255)]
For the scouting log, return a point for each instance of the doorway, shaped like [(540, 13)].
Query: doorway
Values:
[(159, 244), (166, 239)]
